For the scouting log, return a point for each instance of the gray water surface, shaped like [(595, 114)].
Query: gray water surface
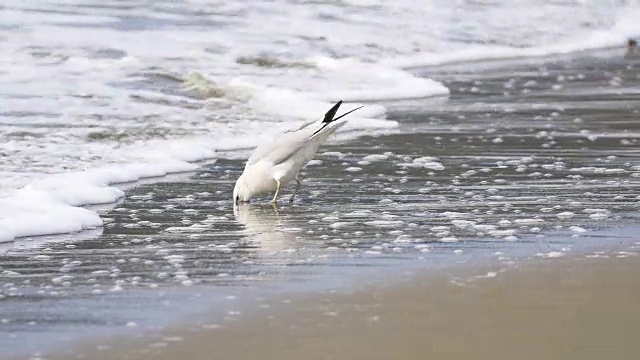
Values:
[(532, 159)]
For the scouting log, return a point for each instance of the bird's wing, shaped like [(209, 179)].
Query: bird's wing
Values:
[(283, 147), (292, 141)]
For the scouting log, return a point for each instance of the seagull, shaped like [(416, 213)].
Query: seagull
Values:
[(273, 165)]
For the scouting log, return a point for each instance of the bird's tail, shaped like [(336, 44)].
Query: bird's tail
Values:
[(329, 117)]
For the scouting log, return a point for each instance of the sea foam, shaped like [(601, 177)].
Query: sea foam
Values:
[(90, 97), (51, 204)]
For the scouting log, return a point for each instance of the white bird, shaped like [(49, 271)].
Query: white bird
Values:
[(273, 165)]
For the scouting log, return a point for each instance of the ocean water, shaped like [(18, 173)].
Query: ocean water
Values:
[(492, 134), (95, 93)]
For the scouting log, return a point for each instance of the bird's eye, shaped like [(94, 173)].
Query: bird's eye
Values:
[(237, 199)]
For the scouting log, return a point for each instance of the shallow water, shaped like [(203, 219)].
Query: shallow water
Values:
[(533, 159), (96, 93)]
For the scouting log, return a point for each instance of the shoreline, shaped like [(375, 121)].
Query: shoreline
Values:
[(547, 308)]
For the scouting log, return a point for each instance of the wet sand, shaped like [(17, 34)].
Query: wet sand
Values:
[(573, 308)]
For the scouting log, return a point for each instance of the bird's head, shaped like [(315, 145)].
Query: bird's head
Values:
[(242, 192)]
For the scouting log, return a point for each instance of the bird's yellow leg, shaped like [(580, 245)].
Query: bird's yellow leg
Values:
[(298, 183), (275, 196)]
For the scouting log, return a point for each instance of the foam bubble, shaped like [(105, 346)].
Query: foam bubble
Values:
[(375, 157), (566, 215)]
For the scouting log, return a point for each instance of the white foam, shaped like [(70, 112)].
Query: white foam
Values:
[(599, 216), (385, 223), (551, 254), (287, 104), (370, 81), (565, 215), (530, 221), (49, 204), (63, 85), (463, 224), (426, 162), (375, 157), (623, 25), (577, 229), (502, 233)]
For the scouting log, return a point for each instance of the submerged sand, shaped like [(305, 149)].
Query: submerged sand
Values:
[(574, 308)]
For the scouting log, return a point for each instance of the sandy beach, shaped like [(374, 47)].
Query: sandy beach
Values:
[(573, 308)]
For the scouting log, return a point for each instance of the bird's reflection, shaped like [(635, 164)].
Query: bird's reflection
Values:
[(266, 227)]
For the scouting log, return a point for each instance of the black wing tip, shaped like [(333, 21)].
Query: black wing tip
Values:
[(334, 109), (328, 117)]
